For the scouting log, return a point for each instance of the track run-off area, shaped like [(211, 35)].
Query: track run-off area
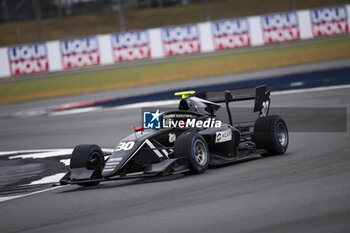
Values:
[(305, 190)]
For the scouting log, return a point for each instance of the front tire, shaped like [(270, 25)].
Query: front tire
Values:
[(89, 157), (195, 149), (271, 134)]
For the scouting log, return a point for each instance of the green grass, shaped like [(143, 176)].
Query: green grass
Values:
[(171, 72), (85, 25)]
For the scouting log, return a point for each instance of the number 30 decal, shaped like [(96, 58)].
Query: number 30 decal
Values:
[(125, 146), (265, 108)]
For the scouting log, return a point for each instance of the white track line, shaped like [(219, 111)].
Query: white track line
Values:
[(145, 104), (66, 162), (40, 155), (75, 111), (23, 151), (48, 179), (287, 92), (2, 199)]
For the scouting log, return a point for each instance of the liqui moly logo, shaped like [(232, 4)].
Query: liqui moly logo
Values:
[(80, 52), (230, 34), (131, 46), (280, 27), (27, 59), (329, 21), (181, 40)]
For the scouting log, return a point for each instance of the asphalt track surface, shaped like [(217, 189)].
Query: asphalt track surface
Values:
[(305, 190)]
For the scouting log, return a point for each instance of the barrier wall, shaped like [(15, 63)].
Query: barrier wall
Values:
[(174, 41)]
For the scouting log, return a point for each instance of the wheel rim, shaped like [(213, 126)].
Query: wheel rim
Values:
[(200, 152), (282, 134), (96, 155)]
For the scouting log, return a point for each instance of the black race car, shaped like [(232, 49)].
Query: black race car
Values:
[(185, 146)]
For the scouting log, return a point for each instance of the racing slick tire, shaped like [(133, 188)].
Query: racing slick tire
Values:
[(90, 157), (271, 134), (195, 149)]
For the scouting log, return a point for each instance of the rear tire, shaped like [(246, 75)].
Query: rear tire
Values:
[(89, 157), (195, 149), (271, 134)]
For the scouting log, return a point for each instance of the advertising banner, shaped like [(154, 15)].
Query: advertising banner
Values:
[(158, 43), (280, 27), (229, 34), (27, 59), (80, 52), (131, 46), (329, 21), (181, 40)]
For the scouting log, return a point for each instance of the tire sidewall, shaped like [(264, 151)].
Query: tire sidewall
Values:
[(265, 134), (278, 145), (81, 156), (184, 147)]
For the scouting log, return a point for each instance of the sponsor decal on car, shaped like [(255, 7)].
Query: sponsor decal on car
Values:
[(131, 46), (80, 52), (115, 159), (181, 40), (231, 33), (113, 162), (151, 120), (280, 27), (329, 21), (156, 120), (172, 137), (192, 123), (223, 136), (27, 59)]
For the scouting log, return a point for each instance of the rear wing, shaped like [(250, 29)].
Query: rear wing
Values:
[(259, 94)]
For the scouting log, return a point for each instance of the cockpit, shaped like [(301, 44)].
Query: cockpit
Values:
[(201, 106)]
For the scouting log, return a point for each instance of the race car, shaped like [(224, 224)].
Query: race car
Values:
[(181, 144)]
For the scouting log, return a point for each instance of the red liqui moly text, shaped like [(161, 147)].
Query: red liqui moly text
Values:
[(280, 27), (131, 46), (80, 52), (329, 21), (229, 34), (27, 59), (181, 40)]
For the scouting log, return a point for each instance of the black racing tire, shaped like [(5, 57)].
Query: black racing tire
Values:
[(195, 149), (271, 134), (89, 157)]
